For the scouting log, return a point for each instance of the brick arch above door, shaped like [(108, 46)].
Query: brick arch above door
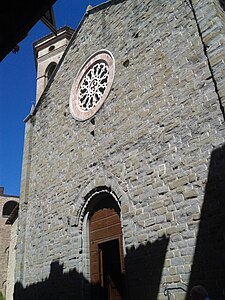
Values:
[(104, 181)]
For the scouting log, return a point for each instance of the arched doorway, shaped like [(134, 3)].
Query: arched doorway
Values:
[(106, 250)]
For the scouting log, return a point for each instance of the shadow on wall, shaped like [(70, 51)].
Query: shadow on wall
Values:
[(143, 274), (144, 269), (144, 264), (208, 267), (57, 286)]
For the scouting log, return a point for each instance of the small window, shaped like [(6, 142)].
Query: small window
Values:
[(51, 48), (50, 70), (8, 208)]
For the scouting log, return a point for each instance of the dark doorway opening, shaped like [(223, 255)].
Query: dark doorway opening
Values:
[(110, 270), (106, 249)]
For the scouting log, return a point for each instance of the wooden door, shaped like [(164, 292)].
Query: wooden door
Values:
[(106, 255)]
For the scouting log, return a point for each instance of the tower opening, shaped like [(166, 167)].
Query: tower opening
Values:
[(50, 69)]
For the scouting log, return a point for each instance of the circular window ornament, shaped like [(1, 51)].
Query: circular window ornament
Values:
[(92, 85)]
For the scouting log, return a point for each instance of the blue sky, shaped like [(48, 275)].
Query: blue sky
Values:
[(17, 91)]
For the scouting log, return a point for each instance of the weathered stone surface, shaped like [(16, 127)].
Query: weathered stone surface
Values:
[(152, 143), (7, 253)]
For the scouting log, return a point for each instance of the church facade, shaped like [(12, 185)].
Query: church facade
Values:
[(123, 168)]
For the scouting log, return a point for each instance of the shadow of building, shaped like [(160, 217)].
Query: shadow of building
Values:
[(208, 268), (142, 280), (144, 269), (59, 285)]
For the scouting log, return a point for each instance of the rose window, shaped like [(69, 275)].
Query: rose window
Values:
[(92, 85)]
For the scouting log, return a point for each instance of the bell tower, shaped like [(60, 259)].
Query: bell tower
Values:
[(47, 53)]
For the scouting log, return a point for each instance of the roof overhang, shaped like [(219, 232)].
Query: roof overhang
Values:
[(17, 18)]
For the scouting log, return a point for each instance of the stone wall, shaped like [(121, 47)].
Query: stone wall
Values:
[(210, 19), (4, 248), (5, 240), (157, 143), (11, 262)]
